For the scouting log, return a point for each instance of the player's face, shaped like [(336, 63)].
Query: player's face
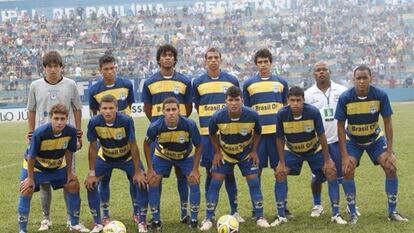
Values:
[(362, 80), (108, 70), (234, 104), (53, 71), (213, 61), (321, 73), (296, 104), (108, 111), (167, 60), (171, 113), (263, 65), (58, 121)]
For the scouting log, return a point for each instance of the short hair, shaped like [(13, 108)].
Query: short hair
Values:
[(58, 109), (106, 58), (362, 68), (167, 48), (233, 91), (109, 99), (212, 50), (52, 57), (296, 91), (170, 100), (263, 53)]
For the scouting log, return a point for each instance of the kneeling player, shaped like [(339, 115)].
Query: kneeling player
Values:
[(300, 127), (239, 135), (116, 134), (174, 137), (49, 160)]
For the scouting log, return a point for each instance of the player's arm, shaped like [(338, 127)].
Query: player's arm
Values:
[(389, 134), (148, 110), (27, 185), (147, 151), (77, 113), (188, 108), (218, 157), (280, 170), (69, 168), (91, 180), (139, 177), (253, 153), (347, 164), (31, 117)]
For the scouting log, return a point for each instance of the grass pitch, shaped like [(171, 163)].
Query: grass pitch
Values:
[(371, 197)]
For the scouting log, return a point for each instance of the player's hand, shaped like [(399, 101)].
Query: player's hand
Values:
[(27, 185), (91, 182), (218, 160), (79, 144), (254, 158), (151, 175), (139, 178), (72, 177), (29, 136), (281, 171), (194, 177), (348, 164), (329, 165)]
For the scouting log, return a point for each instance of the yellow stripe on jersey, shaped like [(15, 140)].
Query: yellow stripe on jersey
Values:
[(267, 108), (204, 130), (268, 129), (213, 87), (120, 93), (172, 155), (236, 128), (55, 144), (174, 136), (235, 148), (209, 109), (366, 107), (48, 163), (301, 147), (167, 86), (157, 110), (298, 126), (230, 159), (363, 129), (265, 86), (110, 133), (114, 152)]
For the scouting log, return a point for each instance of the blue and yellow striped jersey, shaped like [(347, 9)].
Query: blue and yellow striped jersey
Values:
[(114, 138), (362, 114), (236, 135), (157, 88), (209, 96), (176, 143), (266, 96), (122, 90), (49, 149), (301, 135)]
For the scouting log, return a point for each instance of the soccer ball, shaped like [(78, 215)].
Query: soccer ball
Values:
[(227, 224), (115, 227)]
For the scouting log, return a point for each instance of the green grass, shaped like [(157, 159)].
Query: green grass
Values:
[(370, 189)]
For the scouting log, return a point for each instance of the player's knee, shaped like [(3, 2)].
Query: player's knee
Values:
[(330, 173), (390, 170), (27, 192), (280, 176), (349, 175), (155, 181), (73, 186)]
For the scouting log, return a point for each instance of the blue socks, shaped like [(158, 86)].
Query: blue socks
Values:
[(154, 202), (94, 205), (133, 192), (74, 207), (256, 196), (212, 197), (391, 189), (350, 192), (194, 201), (280, 194), (333, 190), (182, 186), (23, 212), (104, 194), (142, 197), (231, 188)]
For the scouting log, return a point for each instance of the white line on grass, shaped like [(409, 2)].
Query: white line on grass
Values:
[(9, 165)]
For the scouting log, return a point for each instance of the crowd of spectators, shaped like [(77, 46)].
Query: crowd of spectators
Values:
[(344, 34)]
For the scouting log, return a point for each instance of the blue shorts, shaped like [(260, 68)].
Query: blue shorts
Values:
[(207, 152), (246, 167), (374, 150), (336, 157), (163, 166), (294, 162), (103, 168), (267, 151), (57, 178)]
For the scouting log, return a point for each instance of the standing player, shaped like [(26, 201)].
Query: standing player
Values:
[(209, 90), (236, 144), (300, 129), (324, 95), (123, 91), (360, 107), (169, 83), (177, 143), (43, 94), (118, 150), (266, 94), (48, 159)]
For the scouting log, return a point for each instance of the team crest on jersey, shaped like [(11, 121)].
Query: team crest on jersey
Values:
[(53, 94), (244, 132), (308, 128), (276, 89), (123, 96), (372, 109), (65, 145), (181, 139), (176, 90), (118, 136), (225, 89)]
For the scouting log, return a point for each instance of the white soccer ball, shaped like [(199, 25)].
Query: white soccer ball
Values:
[(115, 227), (227, 224)]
